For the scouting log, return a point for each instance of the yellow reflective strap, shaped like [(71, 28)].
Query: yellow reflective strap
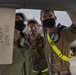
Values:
[(64, 57), (45, 70), (60, 55), (57, 51), (53, 45), (35, 71), (70, 55)]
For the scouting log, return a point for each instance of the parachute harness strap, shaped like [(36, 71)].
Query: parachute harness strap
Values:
[(57, 51), (43, 71)]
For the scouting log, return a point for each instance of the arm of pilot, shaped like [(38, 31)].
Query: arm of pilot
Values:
[(72, 16), (72, 28)]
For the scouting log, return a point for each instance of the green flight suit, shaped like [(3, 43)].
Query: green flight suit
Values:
[(36, 57), (16, 68)]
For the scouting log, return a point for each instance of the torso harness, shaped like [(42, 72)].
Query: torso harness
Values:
[(53, 39), (45, 70), (56, 50)]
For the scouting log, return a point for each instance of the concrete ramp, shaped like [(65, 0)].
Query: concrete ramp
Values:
[(73, 65)]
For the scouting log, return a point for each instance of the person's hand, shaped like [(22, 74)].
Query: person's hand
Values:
[(72, 16)]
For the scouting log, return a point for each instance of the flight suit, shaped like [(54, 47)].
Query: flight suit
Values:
[(16, 67), (55, 64), (36, 57)]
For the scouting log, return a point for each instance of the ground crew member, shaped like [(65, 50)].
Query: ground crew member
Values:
[(36, 63), (57, 46), (16, 67)]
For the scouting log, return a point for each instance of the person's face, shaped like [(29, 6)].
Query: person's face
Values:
[(18, 18), (17, 32), (46, 14), (19, 22), (48, 18), (33, 30)]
